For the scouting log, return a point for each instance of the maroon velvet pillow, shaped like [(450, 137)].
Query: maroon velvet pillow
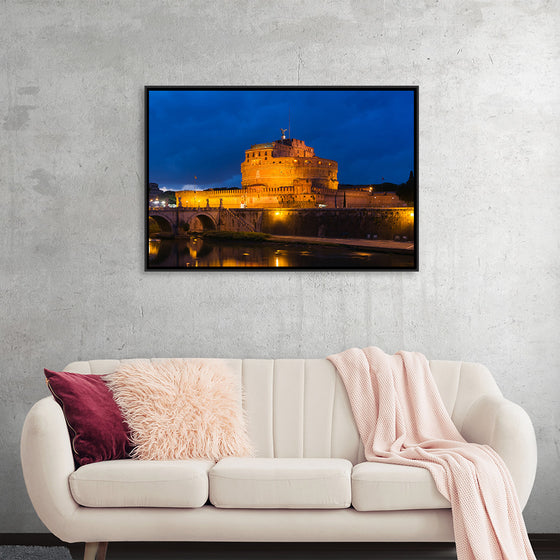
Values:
[(95, 423)]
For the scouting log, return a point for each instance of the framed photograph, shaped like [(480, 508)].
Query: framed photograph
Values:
[(315, 178)]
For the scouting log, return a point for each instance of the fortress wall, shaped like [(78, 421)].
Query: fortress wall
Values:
[(231, 198), (380, 223), (300, 196), (284, 172)]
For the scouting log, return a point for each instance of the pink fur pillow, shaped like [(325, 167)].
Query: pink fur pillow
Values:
[(181, 409)]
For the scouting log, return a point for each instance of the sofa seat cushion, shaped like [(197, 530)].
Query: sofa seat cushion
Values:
[(136, 483), (281, 483), (382, 487)]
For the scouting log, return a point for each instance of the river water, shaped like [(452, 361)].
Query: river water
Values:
[(196, 252)]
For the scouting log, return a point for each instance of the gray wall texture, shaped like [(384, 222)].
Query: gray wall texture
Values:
[(72, 275)]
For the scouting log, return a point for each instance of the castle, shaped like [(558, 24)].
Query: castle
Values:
[(286, 173)]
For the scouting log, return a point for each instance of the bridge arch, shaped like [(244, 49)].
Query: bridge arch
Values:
[(202, 222), (160, 224)]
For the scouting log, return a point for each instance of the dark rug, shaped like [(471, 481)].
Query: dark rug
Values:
[(34, 553)]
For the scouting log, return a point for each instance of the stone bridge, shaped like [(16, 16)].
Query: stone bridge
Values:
[(173, 221), (354, 223)]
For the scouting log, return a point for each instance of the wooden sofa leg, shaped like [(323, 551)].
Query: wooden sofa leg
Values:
[(95, 551), (90, 551), (101, 551)]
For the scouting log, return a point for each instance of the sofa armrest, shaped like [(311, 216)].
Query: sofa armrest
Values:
[(47, 461), (507, 428)]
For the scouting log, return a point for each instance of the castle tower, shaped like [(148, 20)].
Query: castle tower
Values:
[(287, 162), (285, 173)]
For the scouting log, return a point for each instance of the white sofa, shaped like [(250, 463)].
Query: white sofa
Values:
[(308, 482)]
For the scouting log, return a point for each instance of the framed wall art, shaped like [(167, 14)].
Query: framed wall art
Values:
[(282, 178)]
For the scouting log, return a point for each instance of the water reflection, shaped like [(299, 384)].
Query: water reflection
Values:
[(197, 248), (159, 252), (196, 252)]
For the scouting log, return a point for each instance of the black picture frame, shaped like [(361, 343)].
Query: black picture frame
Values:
[(289, 210)]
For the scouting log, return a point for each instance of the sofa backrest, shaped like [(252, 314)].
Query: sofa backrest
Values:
[(299, 407)]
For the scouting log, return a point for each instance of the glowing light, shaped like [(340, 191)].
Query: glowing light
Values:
[(411, 214), (153, 247)]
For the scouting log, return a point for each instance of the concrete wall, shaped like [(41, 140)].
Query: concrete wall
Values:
[(72, 218)]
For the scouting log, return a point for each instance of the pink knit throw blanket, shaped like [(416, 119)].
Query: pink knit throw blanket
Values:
[(402, 420)]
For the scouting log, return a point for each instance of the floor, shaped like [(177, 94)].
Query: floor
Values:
[(545, 549)]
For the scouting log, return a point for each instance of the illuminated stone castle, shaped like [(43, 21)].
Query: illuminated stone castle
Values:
[(285, 173)]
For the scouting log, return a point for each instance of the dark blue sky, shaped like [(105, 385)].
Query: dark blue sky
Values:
[(205, 133)]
